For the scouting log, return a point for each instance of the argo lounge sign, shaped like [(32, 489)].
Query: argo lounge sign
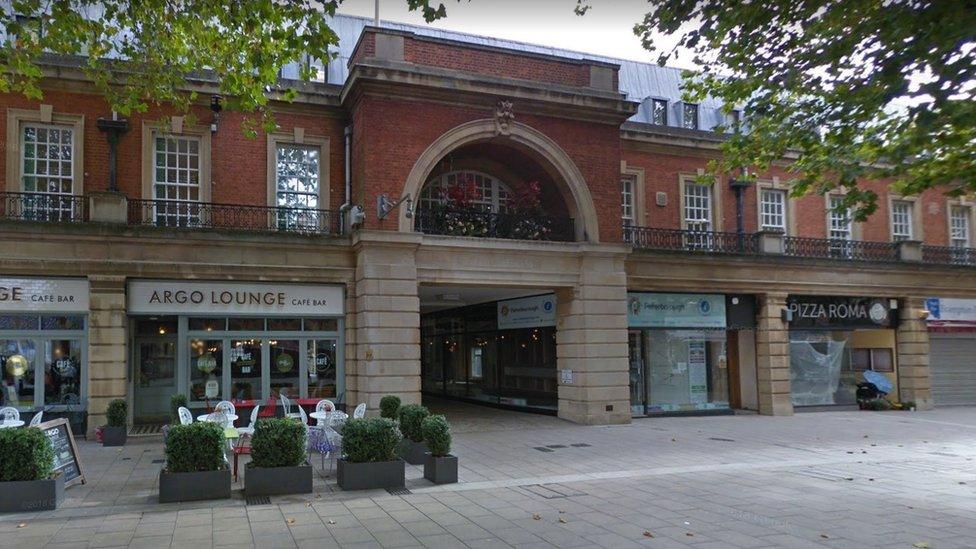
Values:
[(183, 297), (841, 312)]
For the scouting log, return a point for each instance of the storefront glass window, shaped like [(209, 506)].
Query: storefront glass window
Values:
[(17, 361), (207, 324), (245, 369), (322, 368), (69, 322), (206, 365), (62, 371), (284, 324), (321, 325), (245, 324), (284, 367), (687, 370), (18, 322), (821, 370)]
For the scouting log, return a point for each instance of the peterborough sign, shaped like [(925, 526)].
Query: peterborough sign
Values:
[(841, 312)]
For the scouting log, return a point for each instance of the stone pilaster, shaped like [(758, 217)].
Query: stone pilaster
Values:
[(773, 357), (387, 318), (914, 383), (591, 341), (107, 346)]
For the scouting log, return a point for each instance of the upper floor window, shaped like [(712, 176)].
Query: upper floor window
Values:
[(839, 222), (488, 194), (959, 226), (732, 119), (176, 180), (772, 210), (297, 176), (901, 220), (689, 116), (698, 206), (659, 112), (627, 200), (47, 174)]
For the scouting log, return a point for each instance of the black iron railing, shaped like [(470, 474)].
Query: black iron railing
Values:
[(692, 241), (205, 215), (832, 248), (946, 255), (494, 225), (62, 208)]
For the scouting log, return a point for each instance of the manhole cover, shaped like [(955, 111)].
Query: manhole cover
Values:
[(543, 449), (258, 500), (398, 491)]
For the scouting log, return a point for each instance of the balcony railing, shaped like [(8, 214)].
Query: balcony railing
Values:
[(187, 214), (831, 248), (494, 225), (692, 241), (946, 255), (62, 208)]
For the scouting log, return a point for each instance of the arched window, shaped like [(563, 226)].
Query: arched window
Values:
[(490, 194)]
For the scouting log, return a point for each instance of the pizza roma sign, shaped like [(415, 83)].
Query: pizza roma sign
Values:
[(841, 312)]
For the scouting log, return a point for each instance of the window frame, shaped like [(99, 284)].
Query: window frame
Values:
[(298, 138), (655, 101), (697, 108), (17, 119), (708, 200), (901, 229), (151, 130), (830, 221), (967, 216), (496, 204), (784, 212), (628, 199)]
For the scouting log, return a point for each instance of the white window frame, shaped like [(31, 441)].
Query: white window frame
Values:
[(684, 115), (697, 206), (494, 193), (664, 111), (839, 226), (771, 210), (17, 120), (902, 220), (628, 200), (179, 210), (960, 225)]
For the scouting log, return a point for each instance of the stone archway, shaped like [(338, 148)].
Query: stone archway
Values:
[(521, 136)]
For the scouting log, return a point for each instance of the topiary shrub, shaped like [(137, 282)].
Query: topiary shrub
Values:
[(390, 406), (195, 447), (25, 455), (175, 402), (118, 413), (370, 439), (411, 417), (437, 435), (278, 442)]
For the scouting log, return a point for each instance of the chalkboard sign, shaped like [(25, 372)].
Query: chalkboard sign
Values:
[(66, 461)]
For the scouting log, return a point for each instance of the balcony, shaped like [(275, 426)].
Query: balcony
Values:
[(179, 214), (50, 207), (494, 225), (776, 244)]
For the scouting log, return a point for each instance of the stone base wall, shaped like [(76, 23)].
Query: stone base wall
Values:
[(773, 357), (107, 347), (914, 383)]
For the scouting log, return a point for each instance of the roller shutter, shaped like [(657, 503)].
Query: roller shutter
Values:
[(953, 365)]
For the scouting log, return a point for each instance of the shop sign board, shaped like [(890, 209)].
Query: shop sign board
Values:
[(951, 310), (66, 460), (233, 298), (527, 312), (42, 295), (653, 310), (840, 312)]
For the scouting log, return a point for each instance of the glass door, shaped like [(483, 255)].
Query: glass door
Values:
[(635, 344), (246, 365), (285, 367), (154, 379), (322, 379)]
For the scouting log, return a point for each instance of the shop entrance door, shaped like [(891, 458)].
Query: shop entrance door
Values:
[(635, 344), (155, 378)]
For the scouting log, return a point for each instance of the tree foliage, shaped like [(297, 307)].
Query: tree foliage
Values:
[(139, 53), (844, 90)]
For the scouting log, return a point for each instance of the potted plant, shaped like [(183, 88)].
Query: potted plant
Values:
[(26, 466), (195, 465), (413, 449), (440, 466), (279, 463), (390, 407), (369, 448), (114, 434)]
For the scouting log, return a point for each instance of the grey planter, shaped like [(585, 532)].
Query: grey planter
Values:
[(368, 476), (412, 452), (441, 470), (273, 481), (114, 436), (31, 495), (194, 486)]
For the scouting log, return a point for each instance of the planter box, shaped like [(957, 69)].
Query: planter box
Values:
[(194, 486), (367, 476), (441, 470), (273, 481), (414, 453), (31, 495), (114, 436)]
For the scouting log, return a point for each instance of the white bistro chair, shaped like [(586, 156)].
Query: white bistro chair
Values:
[(8, 414), (186, 417), (359, 412), (226, 406), (325, 406), (36, 420)]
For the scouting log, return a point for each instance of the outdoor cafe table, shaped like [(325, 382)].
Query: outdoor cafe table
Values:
[(210, 417), (10, 424), (336, 417)]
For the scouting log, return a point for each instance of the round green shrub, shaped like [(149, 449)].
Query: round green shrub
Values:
[(411, 417), (118, 413), (175, 402), (437, 435), (389, 406), (278, 442), (25, 455), (195, 447), (369, 440)]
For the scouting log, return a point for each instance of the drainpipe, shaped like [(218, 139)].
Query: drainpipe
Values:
[(739, 187), (348, 165)]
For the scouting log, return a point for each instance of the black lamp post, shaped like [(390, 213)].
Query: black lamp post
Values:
[(113, 128)]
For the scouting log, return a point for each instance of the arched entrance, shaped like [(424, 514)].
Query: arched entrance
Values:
[(529, 145)]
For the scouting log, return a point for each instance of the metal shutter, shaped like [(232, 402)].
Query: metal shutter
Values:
[(952, 358)]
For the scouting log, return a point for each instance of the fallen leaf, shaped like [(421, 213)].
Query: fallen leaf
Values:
[(308, 504), (825, 536), (674, 440), (647, 534), (870, 480), (331, 521), (562, 520), (536, 517), (561, 511), (290, 521), (865, 436), (689, 534), (960, 482), (22, 525), (921, 545)]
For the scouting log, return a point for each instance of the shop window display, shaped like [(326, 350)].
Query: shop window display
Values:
[(822, 372), (687, 370)]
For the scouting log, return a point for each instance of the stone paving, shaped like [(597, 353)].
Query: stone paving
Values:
[(830, 479)]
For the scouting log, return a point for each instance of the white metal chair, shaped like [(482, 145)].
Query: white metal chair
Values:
[(186, 417), (227, 406), (9, 414), (325, 406), (36, 420), (286, 407), (359, 412), (249, 430)]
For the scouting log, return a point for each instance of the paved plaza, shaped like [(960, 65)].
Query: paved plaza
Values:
[(830, 479)]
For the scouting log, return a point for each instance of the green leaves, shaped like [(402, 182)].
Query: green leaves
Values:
[(370, 440), (842, 91), (25, 454), (278, 442), (195, 447)]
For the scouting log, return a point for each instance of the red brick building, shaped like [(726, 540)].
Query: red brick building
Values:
[(452, 216)]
